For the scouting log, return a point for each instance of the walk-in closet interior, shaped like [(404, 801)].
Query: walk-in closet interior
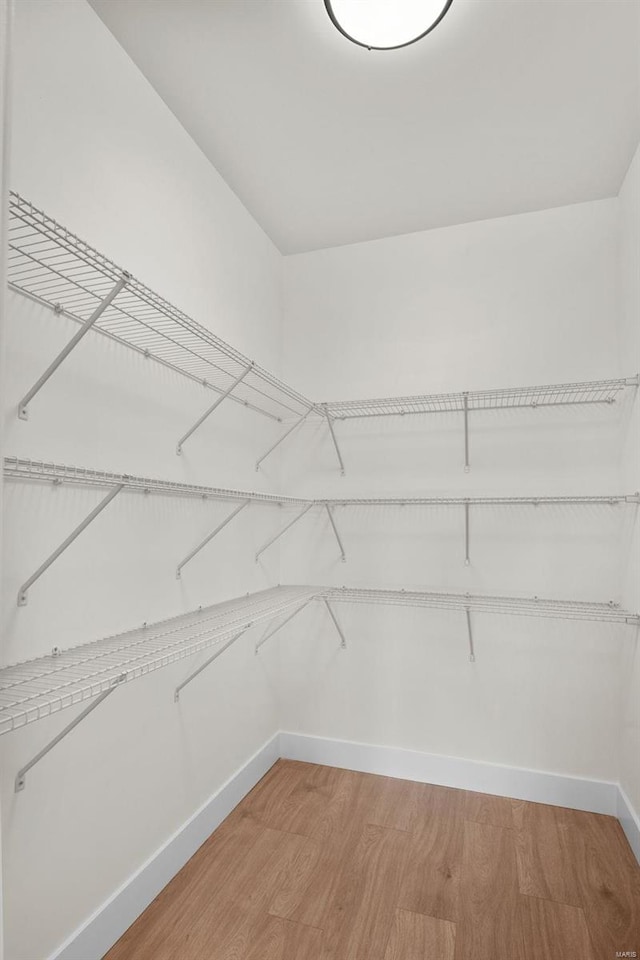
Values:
[(321, 467)]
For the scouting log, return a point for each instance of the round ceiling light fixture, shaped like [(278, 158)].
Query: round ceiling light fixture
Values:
[(386, 24)]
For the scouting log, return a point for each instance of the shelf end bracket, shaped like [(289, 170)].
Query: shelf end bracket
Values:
[(465, 400), (214, 405), (333, 437), (284, 436), (23, 412), (343, 556), (277, 536), (343, 642), (209, 660), (214, 533), (472, 655), (22, 773), (274, 630), (24, 589)]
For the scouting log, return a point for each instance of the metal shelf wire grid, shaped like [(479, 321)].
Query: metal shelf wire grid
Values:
[(54, 267), (37, 688), (560, 394), (518, 606), (23, 469)]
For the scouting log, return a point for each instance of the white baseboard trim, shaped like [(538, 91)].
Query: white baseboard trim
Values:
[(109, 922), (630, 821), (597, 796), (92, 940)]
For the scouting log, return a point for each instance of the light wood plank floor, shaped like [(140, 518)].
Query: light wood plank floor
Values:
[(318, 863)]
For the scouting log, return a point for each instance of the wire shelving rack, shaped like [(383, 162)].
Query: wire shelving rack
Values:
[(517, 606), (53, 266), (37, 688)]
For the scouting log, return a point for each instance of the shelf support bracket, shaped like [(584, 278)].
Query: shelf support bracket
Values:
[(286, 620), (343, 556), (23, 591), (214, 656), (465, 397), (22, 773), (333, 437), (214, 405), (467, 558), (214, 533), (284, 529), (283, 437), (472, 655), (343, 642), (23, 412)]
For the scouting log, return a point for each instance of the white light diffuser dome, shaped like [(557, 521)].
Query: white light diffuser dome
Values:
[(386, 24)]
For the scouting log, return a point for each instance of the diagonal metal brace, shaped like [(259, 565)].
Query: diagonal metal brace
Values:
[(333, 437), (467, 558), (22, 592), (283, 437), (466, 431), (21, 774), (213, 406), (284, 529), (204, 666), (286, 620), (214, 533), (23, 412), (472, 656), (343, 642), (335, 530)]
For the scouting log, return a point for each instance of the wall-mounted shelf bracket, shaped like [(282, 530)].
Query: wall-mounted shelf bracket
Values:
[(208, 661), (22, 773), (214, 406), (465, 401), (274, 630), (467, 558), (277, 536), (214, 533), (333, 437), (343, 556), (284, 436), (343, 642), (23, 411), (472, 655), (23, 591)]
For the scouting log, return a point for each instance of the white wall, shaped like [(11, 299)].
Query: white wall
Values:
[(95, 147), (630, 355), (523, 300), (6, 22)]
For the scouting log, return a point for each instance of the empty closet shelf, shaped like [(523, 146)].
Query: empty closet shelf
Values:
[(37, 688), (519, 606), (53, 266)]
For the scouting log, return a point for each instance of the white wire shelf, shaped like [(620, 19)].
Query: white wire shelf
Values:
[(37, 688), (517, 606), (488, 501), (53, 266), (16, 468), (548, 395)]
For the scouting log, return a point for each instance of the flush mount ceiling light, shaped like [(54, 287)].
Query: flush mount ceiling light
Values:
[(386, 24)]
